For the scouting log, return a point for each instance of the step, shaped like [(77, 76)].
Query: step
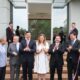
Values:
[(35, 76), (8, 70)]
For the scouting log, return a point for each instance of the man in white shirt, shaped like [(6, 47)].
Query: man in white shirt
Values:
[(56, 51), (3, 58), (14, 58)]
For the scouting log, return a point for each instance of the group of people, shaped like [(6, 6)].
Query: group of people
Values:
[(33, 56)]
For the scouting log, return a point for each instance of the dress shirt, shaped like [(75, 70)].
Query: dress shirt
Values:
[(3, 55), (17, 46), (27, 42)]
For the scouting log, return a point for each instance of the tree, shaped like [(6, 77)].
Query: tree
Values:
[(40, 26)]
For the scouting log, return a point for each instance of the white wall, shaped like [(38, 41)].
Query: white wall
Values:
[(4, 16), (20, 18), (74, 14)]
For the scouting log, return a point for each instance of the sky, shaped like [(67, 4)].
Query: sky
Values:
[(19, 17)]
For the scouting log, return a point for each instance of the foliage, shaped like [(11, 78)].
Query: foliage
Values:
[(40, 26), (57, 30), (22, 31)]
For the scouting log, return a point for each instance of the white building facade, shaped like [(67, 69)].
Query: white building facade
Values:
[(4, 16), (38, 9)]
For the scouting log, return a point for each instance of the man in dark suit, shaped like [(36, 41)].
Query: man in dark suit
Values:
[(61, 33), (17, 31), (27, 49), (72, 48), (74, 29), (9, 33), (14, 58), (56, 51)]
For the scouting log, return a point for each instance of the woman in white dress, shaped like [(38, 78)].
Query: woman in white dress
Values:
[(41, 65)]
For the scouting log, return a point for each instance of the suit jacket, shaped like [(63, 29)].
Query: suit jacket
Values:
[(9, 34), (57, 55), (28, 55), (17, 32), (73, 55), (13, 59), (74, 30)]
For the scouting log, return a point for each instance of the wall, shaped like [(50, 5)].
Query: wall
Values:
[(4, 16), (74, 14)]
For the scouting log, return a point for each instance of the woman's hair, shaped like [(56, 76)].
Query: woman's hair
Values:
[(39, 38)]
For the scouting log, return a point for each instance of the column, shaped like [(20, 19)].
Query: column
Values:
[(4, 16), (11, 12), (74, 14), (52, 20), (27, 19)]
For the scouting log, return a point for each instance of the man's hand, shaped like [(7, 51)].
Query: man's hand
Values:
[(27, 49), (14, 53), (69, 48)]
